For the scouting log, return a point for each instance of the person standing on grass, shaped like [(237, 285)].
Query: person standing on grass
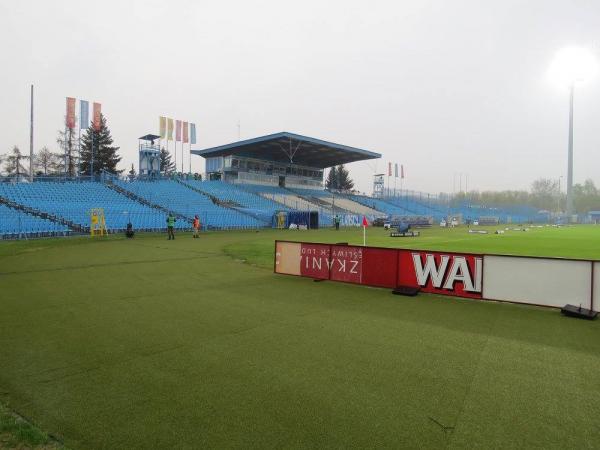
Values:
[(196, 225), (337, 222), (171, 226)]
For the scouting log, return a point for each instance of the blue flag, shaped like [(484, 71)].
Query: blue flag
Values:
[(192, 133), (84, 114)]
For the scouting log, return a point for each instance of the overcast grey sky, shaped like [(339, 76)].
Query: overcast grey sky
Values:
[(442, 87)]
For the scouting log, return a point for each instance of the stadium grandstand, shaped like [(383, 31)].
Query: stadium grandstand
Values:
[(248, 184)]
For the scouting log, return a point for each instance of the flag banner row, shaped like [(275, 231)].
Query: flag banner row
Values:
[(185, 132), (84, 114), (395, 170)]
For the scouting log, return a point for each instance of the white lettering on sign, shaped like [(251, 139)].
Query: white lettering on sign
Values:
[(458, 271), (431, 270)]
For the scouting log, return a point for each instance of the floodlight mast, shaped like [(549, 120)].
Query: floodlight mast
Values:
[(571, 66), (569, 206)]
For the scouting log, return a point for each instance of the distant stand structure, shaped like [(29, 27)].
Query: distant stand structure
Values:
[(149, 156), (378, 185)]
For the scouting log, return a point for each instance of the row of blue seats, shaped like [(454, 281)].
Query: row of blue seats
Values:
[(74, 200), (182, 200), (16, 223)]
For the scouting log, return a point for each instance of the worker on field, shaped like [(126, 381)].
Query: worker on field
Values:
[(171, 226), (196, 225), (336, 220)]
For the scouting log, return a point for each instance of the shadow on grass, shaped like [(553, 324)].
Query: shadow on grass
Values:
[(17, 433)]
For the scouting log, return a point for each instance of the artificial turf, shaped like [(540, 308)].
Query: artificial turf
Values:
[(149, 343)]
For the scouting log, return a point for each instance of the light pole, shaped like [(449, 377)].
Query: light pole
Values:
[(572, 66), (558, 198), (569, 206)]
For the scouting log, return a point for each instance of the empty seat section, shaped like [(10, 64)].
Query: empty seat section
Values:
[(182, 200), (15, 223), (73, 201)]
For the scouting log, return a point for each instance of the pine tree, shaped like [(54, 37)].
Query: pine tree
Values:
[(332, 180), (344, 182), (105, 154), (166, 165)]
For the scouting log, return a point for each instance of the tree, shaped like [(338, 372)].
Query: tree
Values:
[(332, 181), (586, 196), (47, 162), (13, 165), (131, 173), (344, 182), (98, 144), (166, 165), (66, 141), (544, 192)]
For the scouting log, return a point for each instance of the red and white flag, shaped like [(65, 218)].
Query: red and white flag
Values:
[(178, 131), (389, 169), (185, 132), (365, 222), (402, 171), (97, 123), (70, 112)]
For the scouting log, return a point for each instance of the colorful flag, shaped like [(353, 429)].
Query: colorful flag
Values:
[(84, 114), (389, 169), (402, 171), (70, 112), (178, 131), (185, 133), (396, 170), (170, 129), (192, 133), (162, 125), (365, 223), (97, 117)]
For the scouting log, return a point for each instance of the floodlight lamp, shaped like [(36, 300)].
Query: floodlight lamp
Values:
[(573, 65)]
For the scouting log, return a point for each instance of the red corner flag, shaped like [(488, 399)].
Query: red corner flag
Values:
[(365, 223)]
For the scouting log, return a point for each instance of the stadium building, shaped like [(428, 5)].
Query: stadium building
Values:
[(281, 159), (269, 181)]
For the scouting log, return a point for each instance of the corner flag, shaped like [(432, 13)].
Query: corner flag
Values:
[(365, 224)]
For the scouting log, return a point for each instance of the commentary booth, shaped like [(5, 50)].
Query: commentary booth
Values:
[(282, 160)]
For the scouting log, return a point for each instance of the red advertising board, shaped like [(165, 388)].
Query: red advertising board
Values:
[(441, 273), (314, 260), (346, 263), (380, 267), (434, 272)]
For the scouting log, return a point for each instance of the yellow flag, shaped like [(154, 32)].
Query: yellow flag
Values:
[(170, 130), (163, 126)]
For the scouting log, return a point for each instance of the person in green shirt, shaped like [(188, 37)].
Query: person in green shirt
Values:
[(337, 222), (171, 226)]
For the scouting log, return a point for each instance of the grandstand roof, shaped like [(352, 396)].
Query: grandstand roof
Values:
[(289, 147)]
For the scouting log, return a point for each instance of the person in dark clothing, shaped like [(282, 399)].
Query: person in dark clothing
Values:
[(336, 220), (171, 226), (129, 231)]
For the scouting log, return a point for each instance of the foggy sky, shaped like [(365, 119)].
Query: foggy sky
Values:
[(443, 87)]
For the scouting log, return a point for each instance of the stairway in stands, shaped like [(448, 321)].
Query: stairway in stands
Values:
[(44, 215)]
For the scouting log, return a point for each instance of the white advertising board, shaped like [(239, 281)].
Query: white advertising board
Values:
[(539, 281)]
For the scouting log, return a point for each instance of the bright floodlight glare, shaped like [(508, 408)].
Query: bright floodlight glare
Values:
[(573, 65)]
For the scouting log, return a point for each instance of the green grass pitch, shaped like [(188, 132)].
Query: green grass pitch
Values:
[(195, 343)]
